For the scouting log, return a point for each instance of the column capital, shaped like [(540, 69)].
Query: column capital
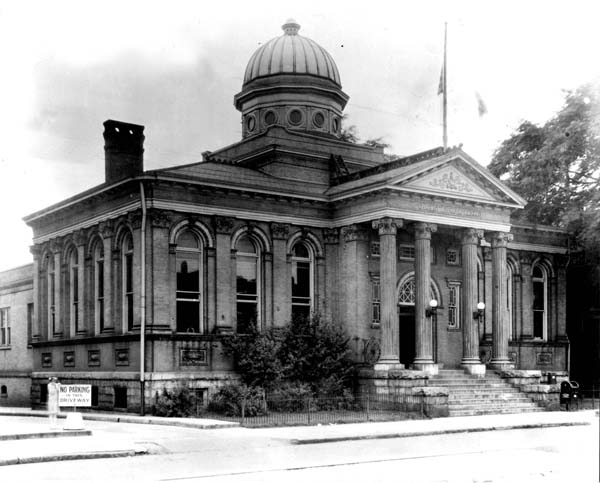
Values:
[(161, 219), (223, 225), (525, 258), (471, 236), (134, 218), (387, 225), (424, 230), (56, 245), (331, 236), (79, 237), (280, 231), (561, 261), (355, 233), (500, 239), (36, 251), (106, 228), (487, 254)]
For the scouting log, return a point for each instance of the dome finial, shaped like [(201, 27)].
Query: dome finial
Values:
[(291, 27)]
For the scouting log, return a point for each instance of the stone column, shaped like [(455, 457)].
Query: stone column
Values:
[(470, 360), (282, 287), (331, 301), (390, 331), (500, 329), (37, 298), (81, 327), (105, 230), (225, 309), (423, 324)]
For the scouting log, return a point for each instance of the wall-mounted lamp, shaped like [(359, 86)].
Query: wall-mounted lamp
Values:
[(479, 312), (432, 310)]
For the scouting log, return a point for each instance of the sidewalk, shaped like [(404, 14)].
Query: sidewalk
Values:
[(24, 433)]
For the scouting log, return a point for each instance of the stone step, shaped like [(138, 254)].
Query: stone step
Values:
[(490, 403), (481, 399), (484, 412)]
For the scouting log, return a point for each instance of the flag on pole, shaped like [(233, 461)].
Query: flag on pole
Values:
[(442, 85), (481, 107)]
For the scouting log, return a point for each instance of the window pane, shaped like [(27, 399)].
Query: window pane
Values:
[(538, 324), (244, 245), (188, 272), (537, 272), (100, 274), (538, 295), (300, 250), (128, 273), (187, 240), (188, 316), (300, 279), (246, 317), (246, 275)]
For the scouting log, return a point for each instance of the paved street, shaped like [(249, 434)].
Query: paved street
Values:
[(246, 455)]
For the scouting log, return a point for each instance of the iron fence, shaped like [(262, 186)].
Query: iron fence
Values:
[(311, 411)]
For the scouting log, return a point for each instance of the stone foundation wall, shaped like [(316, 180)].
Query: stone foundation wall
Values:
[(534, 384)]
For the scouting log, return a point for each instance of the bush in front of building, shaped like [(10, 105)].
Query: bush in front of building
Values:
[(232, 398), (174, 403)]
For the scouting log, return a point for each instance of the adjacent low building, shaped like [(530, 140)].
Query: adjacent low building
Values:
[(137, 281)]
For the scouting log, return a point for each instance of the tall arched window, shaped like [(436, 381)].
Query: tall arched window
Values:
[(51, 296), (98, 267), (189, 282), (302, 280), (74, 289), (247, 284), (127, 280), (510, 299), (540, 302)]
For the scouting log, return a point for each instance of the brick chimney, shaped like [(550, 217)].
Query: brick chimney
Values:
[(123, 150)]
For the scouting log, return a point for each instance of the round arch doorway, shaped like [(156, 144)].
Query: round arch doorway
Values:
[(406, 318)]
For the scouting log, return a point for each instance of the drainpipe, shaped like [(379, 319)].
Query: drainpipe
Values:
[(143, 304)]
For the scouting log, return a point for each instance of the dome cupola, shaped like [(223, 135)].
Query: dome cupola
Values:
[(291, 81)]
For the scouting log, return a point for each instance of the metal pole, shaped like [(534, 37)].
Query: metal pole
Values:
[(445, 92), (143, 305)]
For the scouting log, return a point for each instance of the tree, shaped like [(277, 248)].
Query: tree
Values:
[(556, 167)]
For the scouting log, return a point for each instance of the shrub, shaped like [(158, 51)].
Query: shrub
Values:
[(178, 402), (290, 397), (229, 400)]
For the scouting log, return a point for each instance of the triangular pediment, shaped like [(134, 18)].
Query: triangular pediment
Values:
[(449, 180)]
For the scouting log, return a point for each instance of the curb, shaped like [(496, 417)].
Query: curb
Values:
[(47, 434), (73, 456), (337, 439)]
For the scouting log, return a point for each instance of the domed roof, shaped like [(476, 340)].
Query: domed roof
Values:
[(291, 54)]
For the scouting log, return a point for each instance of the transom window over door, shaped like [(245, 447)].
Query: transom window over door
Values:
[(540, 302), (247, 285), (189, 283), (302, 280)]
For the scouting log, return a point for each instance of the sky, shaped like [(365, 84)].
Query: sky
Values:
[(174, 67)]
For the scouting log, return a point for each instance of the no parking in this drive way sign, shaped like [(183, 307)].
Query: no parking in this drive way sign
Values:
[(75, 395)]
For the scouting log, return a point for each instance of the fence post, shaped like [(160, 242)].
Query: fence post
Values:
[(308, 409), (368, 392), (243, 410)]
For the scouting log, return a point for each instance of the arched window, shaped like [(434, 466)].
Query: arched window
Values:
[(540, 302), (247, 284), (74, 289), (510, 299), (98, 267), (51, 295), (302, 280), (3, 392), (188, 258), (127, 280)]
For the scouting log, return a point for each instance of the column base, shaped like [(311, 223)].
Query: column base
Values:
[(475, 368), (501, 364), (428, 367), (388, 364)]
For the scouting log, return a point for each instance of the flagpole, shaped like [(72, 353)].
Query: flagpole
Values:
[(445, 90)]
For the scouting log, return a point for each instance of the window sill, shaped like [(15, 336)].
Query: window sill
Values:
[(5, 347), (454, 329), (375, 325)]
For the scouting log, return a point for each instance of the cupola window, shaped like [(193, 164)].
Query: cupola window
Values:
[(319, 119), (270, 118), (295, 117), (250, 123)]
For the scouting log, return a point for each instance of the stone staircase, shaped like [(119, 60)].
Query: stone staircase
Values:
[(471, 395)]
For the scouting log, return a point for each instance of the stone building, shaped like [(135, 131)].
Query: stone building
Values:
[(16, 318), (137, 281)]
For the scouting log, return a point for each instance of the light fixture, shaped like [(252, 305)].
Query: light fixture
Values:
[(479, 312), (432, 310)]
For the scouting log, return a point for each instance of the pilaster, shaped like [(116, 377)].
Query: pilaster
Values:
[(282, 296), (36, 252), (80, 327), (331, 302), (105, 230), (225, 310), (525, 260)]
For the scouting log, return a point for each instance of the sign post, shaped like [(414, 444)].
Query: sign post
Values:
[(75, 395)]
